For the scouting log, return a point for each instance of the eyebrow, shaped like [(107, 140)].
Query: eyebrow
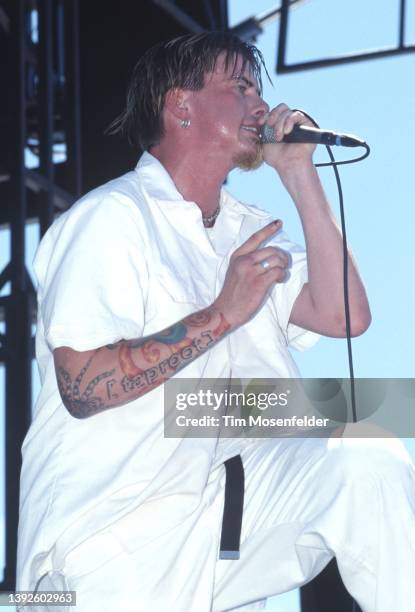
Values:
[(239, 77)]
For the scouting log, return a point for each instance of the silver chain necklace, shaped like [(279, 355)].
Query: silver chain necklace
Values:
[(207, 221)]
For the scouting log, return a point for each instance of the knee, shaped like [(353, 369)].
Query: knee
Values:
[(375, 458)]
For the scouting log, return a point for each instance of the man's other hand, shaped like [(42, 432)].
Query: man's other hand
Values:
[(252, 272)]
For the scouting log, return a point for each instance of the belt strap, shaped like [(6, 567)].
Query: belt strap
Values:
[(233, 509)]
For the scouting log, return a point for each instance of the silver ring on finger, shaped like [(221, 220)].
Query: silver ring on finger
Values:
[(265, 264)]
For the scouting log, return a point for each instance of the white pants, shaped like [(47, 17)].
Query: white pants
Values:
[(306, 500)]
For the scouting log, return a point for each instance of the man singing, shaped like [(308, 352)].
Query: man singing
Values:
[(161, 273)]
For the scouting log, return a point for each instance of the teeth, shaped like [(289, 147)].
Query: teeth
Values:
[(252, 129)]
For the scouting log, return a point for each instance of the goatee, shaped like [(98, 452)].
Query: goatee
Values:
[(249, 160)]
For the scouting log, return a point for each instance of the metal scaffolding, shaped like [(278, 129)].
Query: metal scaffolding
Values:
[(41, 111), (46, 41)]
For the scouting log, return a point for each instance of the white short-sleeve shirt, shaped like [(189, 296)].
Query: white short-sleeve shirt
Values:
[(127, 260)]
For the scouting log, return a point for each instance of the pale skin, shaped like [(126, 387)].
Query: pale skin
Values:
[(216, 142)]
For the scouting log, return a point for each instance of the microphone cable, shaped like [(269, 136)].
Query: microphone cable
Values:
[(333, 163)]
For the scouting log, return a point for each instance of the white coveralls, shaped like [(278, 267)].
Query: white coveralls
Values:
[(131, 520)]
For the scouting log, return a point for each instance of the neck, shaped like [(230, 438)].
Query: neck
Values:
[(198, 178)]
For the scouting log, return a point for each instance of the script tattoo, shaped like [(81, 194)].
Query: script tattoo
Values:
[(182, 350), (85, 404), (109, 386)]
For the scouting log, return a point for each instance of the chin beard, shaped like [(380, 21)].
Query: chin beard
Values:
[(249, 160)]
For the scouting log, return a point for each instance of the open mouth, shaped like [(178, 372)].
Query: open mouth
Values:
[(252, 129)]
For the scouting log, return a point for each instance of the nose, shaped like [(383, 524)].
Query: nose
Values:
[(261, 108)]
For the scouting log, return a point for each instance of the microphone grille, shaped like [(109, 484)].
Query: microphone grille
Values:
[(267, 134)]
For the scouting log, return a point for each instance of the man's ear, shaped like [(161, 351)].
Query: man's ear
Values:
[(176, 103)]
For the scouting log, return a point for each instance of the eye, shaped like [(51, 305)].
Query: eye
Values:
[(242, 88)]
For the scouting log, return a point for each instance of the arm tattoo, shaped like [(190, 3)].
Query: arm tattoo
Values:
[(182, 350), (81, 405), (140, 365), (109, 385)]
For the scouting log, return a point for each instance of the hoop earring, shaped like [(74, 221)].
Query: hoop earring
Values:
[(185, 123)]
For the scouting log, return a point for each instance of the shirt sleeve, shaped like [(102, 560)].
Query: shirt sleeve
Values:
[(284, 294), (92, 275)]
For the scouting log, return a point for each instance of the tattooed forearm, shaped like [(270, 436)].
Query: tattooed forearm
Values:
[(80, 405), (151, 377), (113, 375)]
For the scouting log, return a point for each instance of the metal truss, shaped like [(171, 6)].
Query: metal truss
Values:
[(40, 117), (40, 113)]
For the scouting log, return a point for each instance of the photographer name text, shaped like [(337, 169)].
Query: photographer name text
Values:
[(229, 420)]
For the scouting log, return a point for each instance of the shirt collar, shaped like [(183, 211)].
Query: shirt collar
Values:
[(156, 180), (160, 186)]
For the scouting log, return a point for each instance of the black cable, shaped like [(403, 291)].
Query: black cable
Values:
[(334, 165), (345, 282)]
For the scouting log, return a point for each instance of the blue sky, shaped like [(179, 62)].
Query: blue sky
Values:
[(375, 100), (371, 99)]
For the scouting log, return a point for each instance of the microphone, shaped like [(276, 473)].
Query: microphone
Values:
[(304, 133)]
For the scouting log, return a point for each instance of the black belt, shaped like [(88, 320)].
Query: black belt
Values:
[(233, 508)]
